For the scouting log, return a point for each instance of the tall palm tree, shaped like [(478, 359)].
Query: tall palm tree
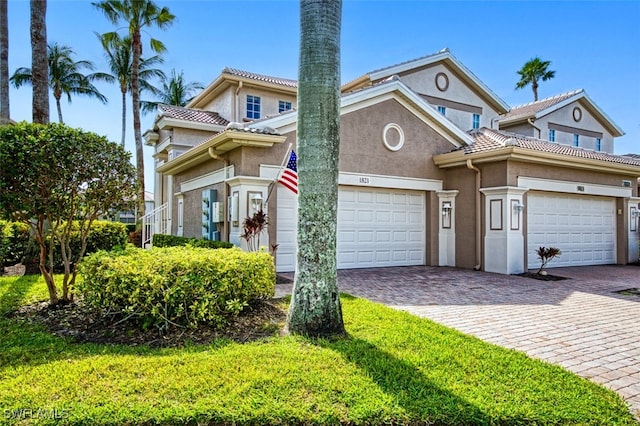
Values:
[(65, 76), (532, 72), (137, 15), (315, 304), (4, 63), (174, 90), (119, 57), (39, 62)]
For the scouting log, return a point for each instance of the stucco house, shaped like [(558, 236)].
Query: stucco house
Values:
[(435, 169)]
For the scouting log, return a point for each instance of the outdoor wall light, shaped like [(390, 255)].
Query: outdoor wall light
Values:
[(635, 214), (517, 208), (256, 201), (446, 214)]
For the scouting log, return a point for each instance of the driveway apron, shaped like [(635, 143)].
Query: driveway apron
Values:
[(580, 323)]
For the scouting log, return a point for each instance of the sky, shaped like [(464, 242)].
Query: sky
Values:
[(593, 45)]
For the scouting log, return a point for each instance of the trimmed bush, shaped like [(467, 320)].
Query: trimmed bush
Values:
[(179, 285), (14, 238), (161, 240), (103, 235)]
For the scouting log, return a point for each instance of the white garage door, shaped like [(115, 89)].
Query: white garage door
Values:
[(582, 227), (376, 227)]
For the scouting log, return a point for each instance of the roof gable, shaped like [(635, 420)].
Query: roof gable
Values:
[(392, 88), (445, 57), (543, 107)]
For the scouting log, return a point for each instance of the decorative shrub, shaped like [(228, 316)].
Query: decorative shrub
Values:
[(14, 238), (546, 255), (103, 235), (161, 240), (176, 285)]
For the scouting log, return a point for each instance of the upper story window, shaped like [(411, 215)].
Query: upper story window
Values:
[(552, 135), (576, 140), (284, 106), (442, 110), (475, 124), (598, 144), (253, 106)]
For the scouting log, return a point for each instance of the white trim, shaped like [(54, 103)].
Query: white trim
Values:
[(165, 122), (394, 182), (248, 180), (368, 179), (398, 129), (206, 179), (569, 187)]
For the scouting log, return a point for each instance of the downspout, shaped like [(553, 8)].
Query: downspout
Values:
[(237, 103), (478, 265), (225, 222), (530, 121)]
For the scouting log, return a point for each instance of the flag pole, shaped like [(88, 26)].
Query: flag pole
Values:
[(284, 161)]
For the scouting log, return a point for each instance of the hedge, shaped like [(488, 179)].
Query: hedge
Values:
[(161, 240), (103, 235), (179, 285), (14, 238)]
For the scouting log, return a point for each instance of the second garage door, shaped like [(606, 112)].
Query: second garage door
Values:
[(582, 227)]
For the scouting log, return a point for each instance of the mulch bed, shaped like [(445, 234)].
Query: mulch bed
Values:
[(541, 277)]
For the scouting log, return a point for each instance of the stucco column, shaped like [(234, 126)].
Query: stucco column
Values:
[(633, 236), (447, 227), (504, 235), (247, 194)]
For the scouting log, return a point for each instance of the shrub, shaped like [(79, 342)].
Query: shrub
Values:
[(103, 235), (161, 240), (546, 255), (178, 285), (14, 238)]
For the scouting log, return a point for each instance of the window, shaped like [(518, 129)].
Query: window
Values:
[(253, 106), (476, 121), (442, 110), (552, 135), (284, 106), (598, 144), (180, 216), (576, 140)]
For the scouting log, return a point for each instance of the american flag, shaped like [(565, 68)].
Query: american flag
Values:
[(289, 177)]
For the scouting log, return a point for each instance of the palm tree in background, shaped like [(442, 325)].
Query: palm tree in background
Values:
[(174, 90), (39, 62), (137, 15), (65, 76), (532, 72), (119, 57), (4, 63)]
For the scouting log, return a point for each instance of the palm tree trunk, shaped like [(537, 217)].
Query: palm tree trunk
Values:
[(39, 62), (135, 94), (315, 308), (124, 116), (534, 87), (4, 63), (59, 108)]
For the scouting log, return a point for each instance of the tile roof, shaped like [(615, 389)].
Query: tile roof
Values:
[(532, 108), (263, 78), (189, 114), (490, 140)]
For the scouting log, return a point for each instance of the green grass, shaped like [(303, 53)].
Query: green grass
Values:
[(394, 369)]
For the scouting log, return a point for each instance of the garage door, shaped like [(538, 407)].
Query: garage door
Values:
[(582, 227), (376, 227)]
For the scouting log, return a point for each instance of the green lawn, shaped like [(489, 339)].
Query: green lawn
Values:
[(394, 369)]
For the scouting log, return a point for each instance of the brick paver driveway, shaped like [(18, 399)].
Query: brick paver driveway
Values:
[(579, 323)]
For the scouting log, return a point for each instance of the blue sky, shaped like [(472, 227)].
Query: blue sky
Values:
[(591, 45)]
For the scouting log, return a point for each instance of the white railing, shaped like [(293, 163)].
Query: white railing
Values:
[(155, 222)]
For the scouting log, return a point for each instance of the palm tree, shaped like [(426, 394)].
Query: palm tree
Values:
[(119, 57), (174, 91), (65, 76), (39, 62), (532, 72), (315, 304), (137, 15), (4, 63)]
